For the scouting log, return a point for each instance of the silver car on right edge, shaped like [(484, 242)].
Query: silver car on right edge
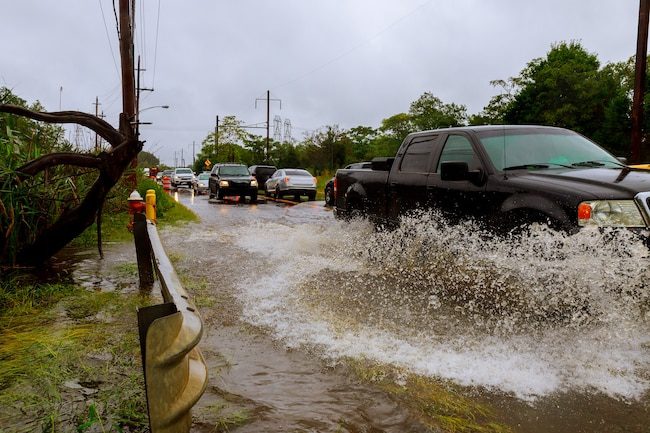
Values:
[(294, 182)]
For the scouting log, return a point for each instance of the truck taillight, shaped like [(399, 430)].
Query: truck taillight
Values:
[(335, 184)]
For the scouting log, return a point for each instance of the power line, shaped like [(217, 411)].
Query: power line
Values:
[(109, 38), (155, 52), (355, 47)]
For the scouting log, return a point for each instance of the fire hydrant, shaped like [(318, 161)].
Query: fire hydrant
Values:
[(136, 205), (150, 200)]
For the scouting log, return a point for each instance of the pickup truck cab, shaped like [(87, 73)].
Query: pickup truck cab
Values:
[(503, 177)]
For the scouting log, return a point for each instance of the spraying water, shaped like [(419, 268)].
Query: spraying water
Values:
[(530, 315)]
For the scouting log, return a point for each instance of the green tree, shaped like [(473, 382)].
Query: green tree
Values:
[(429, 112), (147, 159), (566, 88)]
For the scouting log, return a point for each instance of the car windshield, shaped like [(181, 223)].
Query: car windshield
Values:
[(297, 173), (234, 170), (204, 176), (543, 148), (184, 171), (266, 171)]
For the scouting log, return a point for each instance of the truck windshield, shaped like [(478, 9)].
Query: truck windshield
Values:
[(543, 148), (234, 170)]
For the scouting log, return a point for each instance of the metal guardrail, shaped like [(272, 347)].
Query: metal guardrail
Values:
[(174, 369)]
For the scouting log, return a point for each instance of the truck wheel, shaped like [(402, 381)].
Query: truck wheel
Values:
[(254, 199), (311, 196), (329, 197), (277, 192)]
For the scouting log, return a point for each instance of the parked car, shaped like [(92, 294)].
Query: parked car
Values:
[(291, 181), (182, 177), (201, 183), (262, 173), (329, 187), (503, 177), (232, 180)]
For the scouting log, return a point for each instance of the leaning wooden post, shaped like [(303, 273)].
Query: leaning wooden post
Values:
[(143, 251)]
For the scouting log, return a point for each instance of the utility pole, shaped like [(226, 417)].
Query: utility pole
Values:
[(182, 158), (268, 119), (96, 104), (128, 80), (216, 140), (639, 82), (126, 57), (193, 155)]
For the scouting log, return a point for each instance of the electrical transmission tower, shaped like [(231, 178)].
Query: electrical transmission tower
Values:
[(277, 128), (287, 131)]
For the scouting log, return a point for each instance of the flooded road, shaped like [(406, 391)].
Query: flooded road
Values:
[(550, 331)]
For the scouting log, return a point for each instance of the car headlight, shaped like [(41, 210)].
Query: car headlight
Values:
[(223, 184), (176, 178), (254, 183), (610, 213)]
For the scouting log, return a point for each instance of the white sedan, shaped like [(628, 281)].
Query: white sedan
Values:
[(291, 181)]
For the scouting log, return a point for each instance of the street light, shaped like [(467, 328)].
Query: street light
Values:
[(137, 122), (155, 106)]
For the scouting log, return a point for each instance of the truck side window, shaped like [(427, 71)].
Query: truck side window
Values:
[(459, 149), (417, 155)]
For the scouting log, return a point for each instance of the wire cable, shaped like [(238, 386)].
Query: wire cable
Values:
[(155, 52), (109, 38), (355, 47)]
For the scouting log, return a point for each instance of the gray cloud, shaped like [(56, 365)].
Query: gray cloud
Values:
[(331, 62)]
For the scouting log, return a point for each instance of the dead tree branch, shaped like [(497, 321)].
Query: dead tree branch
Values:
[(34, 167), (101, 127)]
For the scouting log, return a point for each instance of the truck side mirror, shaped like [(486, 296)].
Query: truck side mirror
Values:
[(454, 171)]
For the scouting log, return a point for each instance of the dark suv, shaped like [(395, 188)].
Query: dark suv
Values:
[(232, 180), (261, 173)]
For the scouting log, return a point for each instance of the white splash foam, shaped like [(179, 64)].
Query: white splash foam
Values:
[(611, 355)]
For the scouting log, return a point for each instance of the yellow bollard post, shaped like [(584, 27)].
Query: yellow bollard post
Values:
[(150, 199)]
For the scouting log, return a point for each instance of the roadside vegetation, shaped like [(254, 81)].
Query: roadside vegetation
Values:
[(441, 406), (69, 359)]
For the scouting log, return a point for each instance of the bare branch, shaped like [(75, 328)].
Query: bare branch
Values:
[(62, 158), (101, 127)]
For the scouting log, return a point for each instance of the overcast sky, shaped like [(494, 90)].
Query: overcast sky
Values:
[(345, 62)]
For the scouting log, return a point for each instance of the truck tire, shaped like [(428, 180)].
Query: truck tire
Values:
[(329, 196)]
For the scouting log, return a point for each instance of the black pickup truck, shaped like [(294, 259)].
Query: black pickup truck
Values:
[(503, 177)]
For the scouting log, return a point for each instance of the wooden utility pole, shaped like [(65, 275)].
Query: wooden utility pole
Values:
[(639, 82), (216, 141), (126, 58), (268, 120), (97, 104)]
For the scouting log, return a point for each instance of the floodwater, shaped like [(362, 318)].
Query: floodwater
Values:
[(550, 330)]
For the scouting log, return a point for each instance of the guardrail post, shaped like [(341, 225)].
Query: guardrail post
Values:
[(143, 251)]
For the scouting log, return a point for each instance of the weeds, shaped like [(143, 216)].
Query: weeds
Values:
[(441, 406), (69, 359)]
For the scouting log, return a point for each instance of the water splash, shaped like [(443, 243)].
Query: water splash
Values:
[(534, 314)]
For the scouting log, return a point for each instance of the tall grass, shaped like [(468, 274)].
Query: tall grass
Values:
[(29, 205)]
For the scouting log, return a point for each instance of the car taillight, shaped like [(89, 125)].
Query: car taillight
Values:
[(315, 180), (335, 185)]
